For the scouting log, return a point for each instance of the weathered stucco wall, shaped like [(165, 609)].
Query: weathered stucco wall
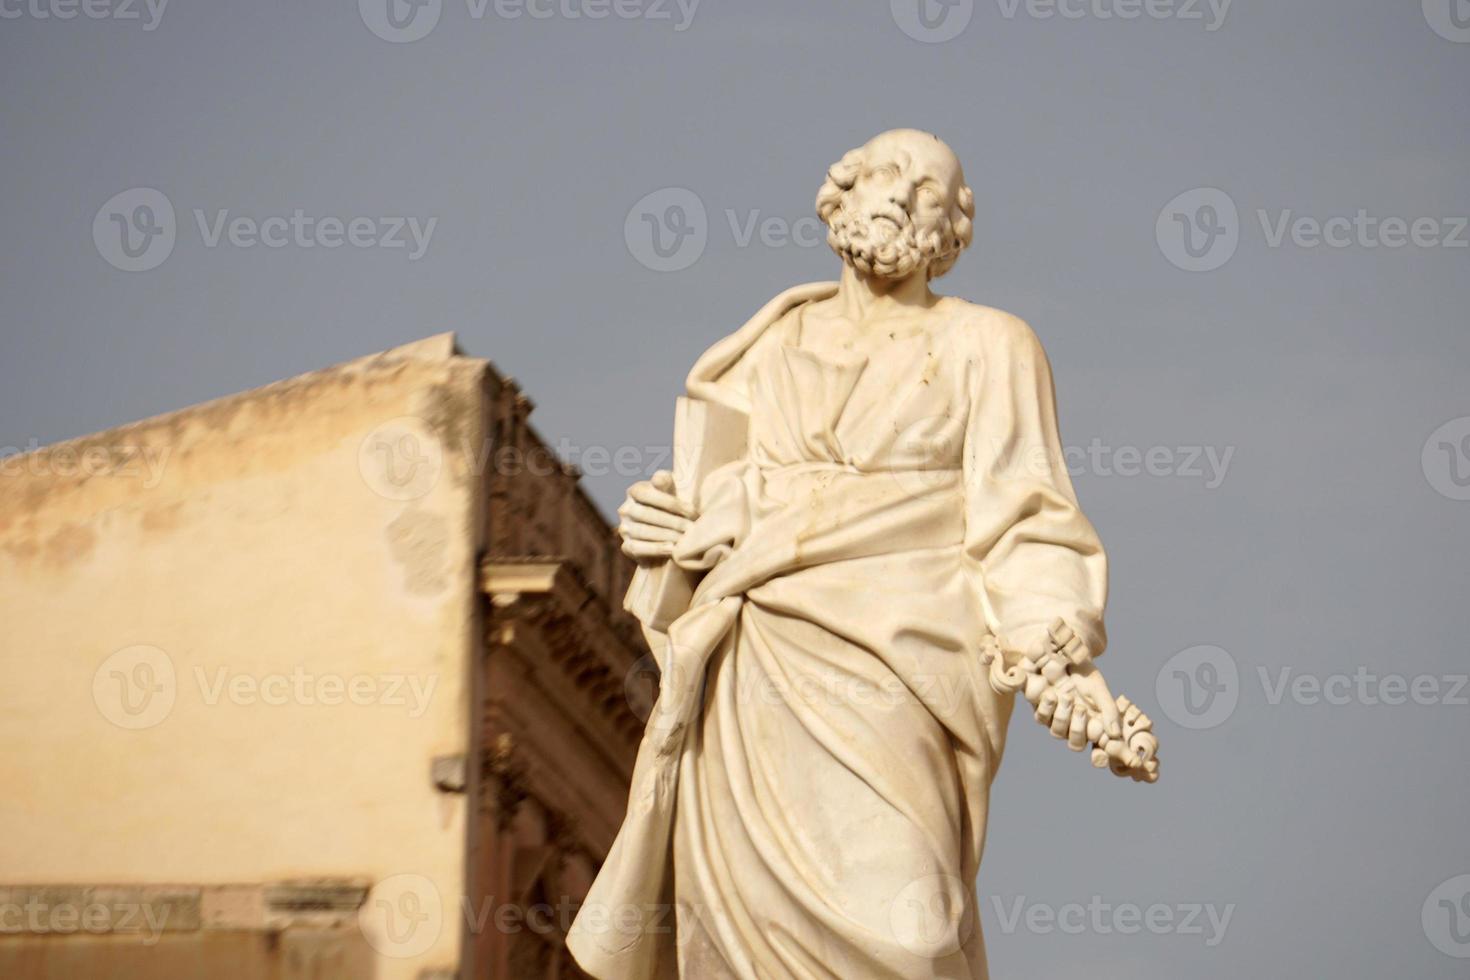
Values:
[(233, 639)]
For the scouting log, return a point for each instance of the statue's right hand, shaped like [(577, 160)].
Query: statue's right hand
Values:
[(652, 519)]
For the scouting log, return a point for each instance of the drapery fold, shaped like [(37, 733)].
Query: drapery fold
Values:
[(811, 794)]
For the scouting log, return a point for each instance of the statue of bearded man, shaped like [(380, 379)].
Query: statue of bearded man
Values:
[(891, 552)]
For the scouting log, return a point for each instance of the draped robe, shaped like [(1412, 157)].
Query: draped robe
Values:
[(810, 800)]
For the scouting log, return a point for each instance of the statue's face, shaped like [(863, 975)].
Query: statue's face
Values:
[(896, 216)]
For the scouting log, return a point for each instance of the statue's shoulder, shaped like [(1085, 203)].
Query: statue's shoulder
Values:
[(712, 379), (990, 330)]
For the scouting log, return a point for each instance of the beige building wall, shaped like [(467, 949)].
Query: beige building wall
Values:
[(233, 642)]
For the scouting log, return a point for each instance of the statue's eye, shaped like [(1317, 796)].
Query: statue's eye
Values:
[(929, 197)]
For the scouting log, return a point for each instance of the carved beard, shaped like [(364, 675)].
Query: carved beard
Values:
[(876, 247)]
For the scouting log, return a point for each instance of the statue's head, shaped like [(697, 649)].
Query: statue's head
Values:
[(898, 204)]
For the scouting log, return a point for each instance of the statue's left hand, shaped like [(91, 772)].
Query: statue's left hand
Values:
[(1078, 706)]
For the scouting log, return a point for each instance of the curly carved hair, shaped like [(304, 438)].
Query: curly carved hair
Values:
[(942, 250)]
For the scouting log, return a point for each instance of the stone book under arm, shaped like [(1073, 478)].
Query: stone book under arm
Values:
[(706, 436)]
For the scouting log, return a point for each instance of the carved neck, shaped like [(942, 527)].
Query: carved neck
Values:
[(861, 297)]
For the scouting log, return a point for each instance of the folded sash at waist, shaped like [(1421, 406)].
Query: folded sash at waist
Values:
[(816, 514), (824, 514)]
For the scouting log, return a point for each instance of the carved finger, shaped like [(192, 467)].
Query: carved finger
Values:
[(1145, 744), (662, 480), (647, 493), (636, 549), (1062, 720), (1054, 668), (1046, 708), (1077, 733), (642, 513), (635, 531), (1142, 723)]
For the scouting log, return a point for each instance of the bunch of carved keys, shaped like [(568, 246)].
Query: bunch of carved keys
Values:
[(1048, 684)]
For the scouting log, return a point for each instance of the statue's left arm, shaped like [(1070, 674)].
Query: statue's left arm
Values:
[(1040, 562), (1038, 555)]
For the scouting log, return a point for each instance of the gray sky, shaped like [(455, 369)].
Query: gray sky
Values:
[(1325, 537)]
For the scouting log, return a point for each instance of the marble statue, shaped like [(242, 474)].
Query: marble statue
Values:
[(869, 544)]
